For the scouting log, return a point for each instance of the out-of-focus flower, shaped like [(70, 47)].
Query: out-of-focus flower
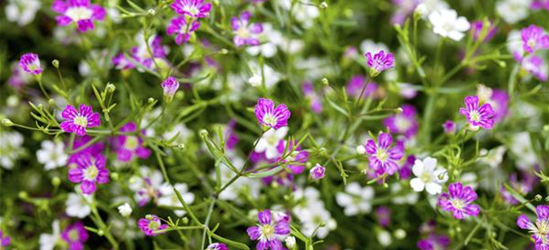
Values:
[(534, 38), (446, 23), (192, 8), (492, 157), (356, 199), (428, 176), (478, 26), (269, 116), (269, 141), (434, 241), (255, 80), (169, 196), (523, 187), (30, 63), (314, 99), (382, 157), (497, 98), (536, 66), (404, 123), (5, 240), (125, 210), (539, 232), (513, 11), (80, 12), (22, 12), (356, 83), (75, 235), (317, 172), (182, 29), (379, 62), (52, 154), (150, 225), (269, 232), (78, 205), (522, 148), (146, 186), (130, 146), (449, 127), (426, 7), (540, 4), (404, 9), (76, 121), (383, 216), (11, 148), (217, 246), (170, 86), (459, 201), (89, 171), (482, 116), (49, 241), (311, 212), (245, 33)]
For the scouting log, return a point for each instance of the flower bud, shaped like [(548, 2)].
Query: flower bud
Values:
[(170, 86), (538, 197), (55, 181), (181, 146), (51, 102), (110, 88), (7, 122), (325, 81), (317, 172), (361, 150), (23, 195), (151, 100), (223, 51), (400, 234), (125, 210), (151, 12), (114, 176), (290, 242), (55, 63), (203, 133), (323, 5)]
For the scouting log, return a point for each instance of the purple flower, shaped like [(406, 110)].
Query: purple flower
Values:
[(355, 85), (231, 137), (141, 56), (309, 91), (404, 123), (317, 172), (80, 12), (478, 117), (170, 86), (294, 155), (150, 224), (523, 187), (30, 63), (449, 127), (383, 159), (406, 169), (121, 62), (180, 27), (88, 171), (434, 242), (540, 4), (458, 201), (539, 229), (404, 9), (534, 65), (245, 33), (269, 116), (268, 231), (477, 27), (217, 246), (75, 235), (81, 141), (192, 8), (4, 240), (379, 62), (76, 121), (383, 216), (129, 146), (533, 38)]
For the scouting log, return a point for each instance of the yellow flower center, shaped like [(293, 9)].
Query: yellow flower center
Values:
[(81, 121)]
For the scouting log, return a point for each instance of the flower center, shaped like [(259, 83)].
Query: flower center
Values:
[(81, 121), (543, 227), (79, 13), (426, 177), (474, 116), (131, 142), (91, 172), (402, 123), (192, 9), (154, 225), (243, 32), (381, 154), (73, 235), (532, 43), (458, 204), (267, 231), (270, 119)]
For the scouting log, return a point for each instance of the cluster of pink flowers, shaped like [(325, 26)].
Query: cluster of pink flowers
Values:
[(534, 39), (140, 56), (190, 12)]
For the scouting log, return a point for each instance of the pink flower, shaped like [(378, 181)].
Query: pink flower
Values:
[(30, 63), (477, 28), (170, 86), (4, 240), (80, 12), (181, 28), (81, 141), (533, 38), (404, 123), (192, 8), (269, 116), (150, 224), (88, 171), (383, 216), (75, 235), (317, 172), (245, 33), (539, 228), (269, 231), (355, 85), (383, 159), (434, 241), (129, 146), (78, 120), (217, 246), (379, 62), (449, 127), (459, 201), (478, 117), (534, 65)]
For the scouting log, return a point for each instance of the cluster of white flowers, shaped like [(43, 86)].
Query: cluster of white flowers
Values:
[(10, 148), (52, 155), (513, 11), (447, 23), (356, 199), (22, 12), (313, 214)]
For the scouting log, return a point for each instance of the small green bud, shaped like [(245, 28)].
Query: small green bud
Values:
[(203, 133), (55, 181), (114, 176), (151, 100), (546, 128), (23, 195), (179, 95), (152, 12), (7, 122), (223, 51), (400, 234), (538, 197), (323, 5), (55, 63), (325, 81), (181, 146), (399, 110), (110, 88), (51, 102), (149, 216), (100, 232), (185, 221)]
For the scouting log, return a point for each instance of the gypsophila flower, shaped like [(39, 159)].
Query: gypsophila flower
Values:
[(146, 186), (383, 216), (49, 241), (446, 23), (245, 33), (269, 116), (539, 229), (182, 29), (89, 171), (513, 11), (459, 201), (170, 86), (379, 62), (52, 154), (428, 176), (523, 187), (76, 121), (482, 116), (404, 123), (169, 196), (11, 148), (150, 225), (269, 231), (382, 157), (192, 8), (30, 63), (125, 210), (75, 235), (217, 246), (22, 12), (80, 12), (449, 127), (434, 242), (536, 66), (78, 205), (5, 240), (130, 146), (317, 172), (534, 38), (269, 141), (355, 199)]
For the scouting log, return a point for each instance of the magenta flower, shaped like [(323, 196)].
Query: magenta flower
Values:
[(477, 27), (81, 141), (180, 27), (404, 123), (379, 62), (4, 240), (88, 171), (458, 201), (170, 86), (268, 231), (534, 65), (478, 117), (317, 172), (245, 33), (231, 138), (355, 85), (121, 62), (150, 225), (315, 101), (76, 121), (523, 187), (297, 155), (30, 63), (434, 242), (192, 8), (449, 127), (269, 116), (141, 56), (75, 235), (539, 229), (130, 146), (533, 38), (80, 12), (540, 4), (217, 246), (383, 216), (383, 159)]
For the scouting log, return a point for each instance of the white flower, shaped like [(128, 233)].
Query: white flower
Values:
[(384, 238), (304, 13), (169, 197), (22, 12), (493, 157), (77, 205), (125, 210), (290, 242), (270, 75), (49, 241), (360, 150), (403, 197), (446, 23), (268, 143), (255, 80), (429, 6), (52, 154), (147, 185), (521, 147), (513, 11), (356, 199), (11, 148), (428, 176), (312, 213), (271, 38)]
